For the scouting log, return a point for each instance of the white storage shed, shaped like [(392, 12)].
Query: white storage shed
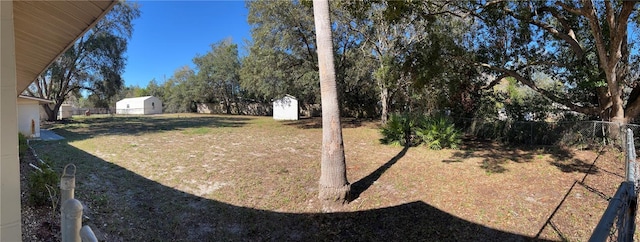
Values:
[(286, 108), (65, 111), (29, 115), (139, 105)]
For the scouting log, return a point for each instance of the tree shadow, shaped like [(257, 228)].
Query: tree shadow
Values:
[(78, 129), (598, 188), (363, 184), (121, 205), (575, 165), (316, 123), (496, 155)]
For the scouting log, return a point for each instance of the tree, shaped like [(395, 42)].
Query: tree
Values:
[(93, 64), (179, 91), (583, 44), (218, 75), (334, 186), (389, 41), (155, 90), (282, 57), (414, 46)]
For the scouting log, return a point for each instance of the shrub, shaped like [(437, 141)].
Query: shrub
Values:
[(22, 145), (43, 186), (411, 130), (397, 130), (438, 133)]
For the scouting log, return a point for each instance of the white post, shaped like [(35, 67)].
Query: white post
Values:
[(71, 214), (87, 235), (67, 184)]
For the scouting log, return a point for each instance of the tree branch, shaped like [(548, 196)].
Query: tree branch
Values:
[(590, 13), (576, 11), (494, 82), (609, 14), (619, 29), (567, 27), (548, 95), (567, 37)]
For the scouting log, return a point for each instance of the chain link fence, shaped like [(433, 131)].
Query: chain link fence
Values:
[(580, 134), (618, 220)]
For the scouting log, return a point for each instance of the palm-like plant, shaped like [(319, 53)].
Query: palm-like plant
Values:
[(439, 133)]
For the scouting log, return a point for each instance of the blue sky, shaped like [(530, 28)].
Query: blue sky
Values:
[(169, 34)]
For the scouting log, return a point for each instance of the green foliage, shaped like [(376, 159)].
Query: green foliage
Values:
[(217, 80), (93, 64), (286, 62), (43, 186), (282, 63), (438, 133), (22, 145), (397, 130), (410, 130), (179, 91)]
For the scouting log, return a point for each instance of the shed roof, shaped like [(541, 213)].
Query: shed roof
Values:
[(134, 99), (289, 96)]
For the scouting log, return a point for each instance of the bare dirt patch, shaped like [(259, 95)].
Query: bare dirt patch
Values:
[(204, 177)]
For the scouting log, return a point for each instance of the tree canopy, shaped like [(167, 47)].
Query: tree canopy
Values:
[(94, 63), (585, 45), (431, 56)]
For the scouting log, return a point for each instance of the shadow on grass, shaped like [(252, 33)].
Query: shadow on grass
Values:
[(495, 156), (587, 169), (316, 123), (124, 206), (575, 165), (363, 184), (134, 125)]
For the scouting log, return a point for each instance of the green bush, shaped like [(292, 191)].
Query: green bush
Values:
[(397, 130), (43, 186), (22, 145), (438, 133), (412, 130)]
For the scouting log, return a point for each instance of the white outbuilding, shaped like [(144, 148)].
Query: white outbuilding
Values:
[(29, 115), (286, 108), (139, 105)]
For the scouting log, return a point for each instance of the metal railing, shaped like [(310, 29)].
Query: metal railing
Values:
[(618, 220), (71, 211)]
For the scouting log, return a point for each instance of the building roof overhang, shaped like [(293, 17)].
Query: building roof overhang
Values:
[(40, 100), (45, 29)]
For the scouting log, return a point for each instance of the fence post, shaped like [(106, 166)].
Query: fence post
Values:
[(631, 177), (631, 158), (67, 184), (87, 235), (71, 214)]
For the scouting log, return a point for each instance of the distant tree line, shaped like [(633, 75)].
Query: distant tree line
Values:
[(470, 59)]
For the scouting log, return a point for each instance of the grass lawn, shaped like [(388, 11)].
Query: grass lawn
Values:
[(194, 177)]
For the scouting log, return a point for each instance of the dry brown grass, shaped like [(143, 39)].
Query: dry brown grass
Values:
[(204, 177)]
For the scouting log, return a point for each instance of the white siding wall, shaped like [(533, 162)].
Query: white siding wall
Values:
[(152, 105), (140, 105), (28, 112), (10, 226), (285, 108), (65, 111)]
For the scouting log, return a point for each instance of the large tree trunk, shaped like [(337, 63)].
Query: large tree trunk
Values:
[(384, 101), (611, 48), (52, 113), (334, 187)]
